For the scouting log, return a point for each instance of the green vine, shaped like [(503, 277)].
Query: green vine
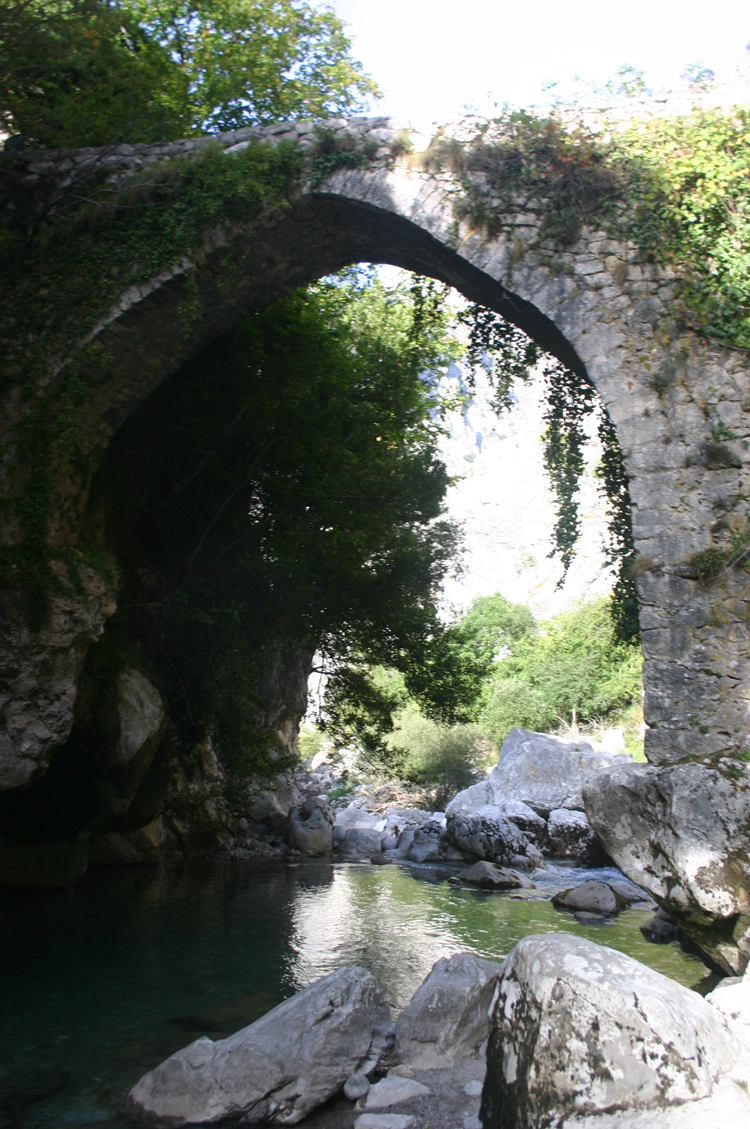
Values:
[(64, 263), (677, 187), (570, 398)]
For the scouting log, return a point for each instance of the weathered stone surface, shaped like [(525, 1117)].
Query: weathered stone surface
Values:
[(131, 723), (447, 1019), (39, 675), (308, 829), (570, 834), (490, 877), (280, 1067), (352, 818), (393, 1089), (546, 773), (356, 1086), (683, 834), (360, 842), (591, 896), (581, 1029), (732, 998), (487, 835), (426, 843), (141, 717), (273, 804)]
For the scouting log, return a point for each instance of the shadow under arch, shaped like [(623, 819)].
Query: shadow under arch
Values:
[(146, 340)]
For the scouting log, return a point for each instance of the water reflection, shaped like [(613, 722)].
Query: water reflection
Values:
[(98, 987)]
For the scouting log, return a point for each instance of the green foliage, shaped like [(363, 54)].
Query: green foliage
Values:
[(491, 627), (428, 753), (676, 186), (708, 563), (509, 355), (284, 495), (88, 72), (573, 669)]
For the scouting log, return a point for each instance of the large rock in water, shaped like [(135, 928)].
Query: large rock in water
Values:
[(447, 1018), (487, 835), (683, 834), (546, 772), (279, 1068), (581, 1029)]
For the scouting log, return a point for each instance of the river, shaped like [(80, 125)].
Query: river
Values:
[(101, 984)]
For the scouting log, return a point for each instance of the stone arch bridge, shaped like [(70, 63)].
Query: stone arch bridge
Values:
[(593, 305)]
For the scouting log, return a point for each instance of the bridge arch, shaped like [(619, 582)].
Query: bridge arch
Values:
[(594, 305)]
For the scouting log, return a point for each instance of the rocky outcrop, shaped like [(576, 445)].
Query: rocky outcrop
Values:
[(546, 772), (279, 1068), (488, 876), (39, 672), (537, 788), (447, 1018), (130, 725), (309, 829), (683, 834), (487, 835), (580, 1029)]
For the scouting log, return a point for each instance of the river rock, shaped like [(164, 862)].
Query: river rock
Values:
[(682, 833), (279, 1068), (546, 773), (660, 929), (487, 835), (490, 877), (360, 842), (357, 1086), (130, 724), (353, 818), (273, 803), (426, 843), (592, 897), (570, 835), (581, 1029), (392, 1090), (307, 830), (447, 1018)]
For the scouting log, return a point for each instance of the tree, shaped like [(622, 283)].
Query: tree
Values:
[(492, 627), (97, 72), (286, 489), (574, 669)]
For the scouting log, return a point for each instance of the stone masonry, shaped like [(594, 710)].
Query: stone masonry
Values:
[(593, 305)]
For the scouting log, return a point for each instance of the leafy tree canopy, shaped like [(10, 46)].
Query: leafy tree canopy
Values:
[(96, 72), (286, 489), (573, 669)]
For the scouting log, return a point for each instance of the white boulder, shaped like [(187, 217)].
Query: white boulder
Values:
[(279, 1068), (546, 772), (579, 1029)]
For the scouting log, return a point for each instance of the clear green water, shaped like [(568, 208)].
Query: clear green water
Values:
[(98, 986)]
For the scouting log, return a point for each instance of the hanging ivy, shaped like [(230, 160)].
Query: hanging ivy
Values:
[(508, 355)]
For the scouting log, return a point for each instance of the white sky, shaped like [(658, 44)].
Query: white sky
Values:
[(433, 58)]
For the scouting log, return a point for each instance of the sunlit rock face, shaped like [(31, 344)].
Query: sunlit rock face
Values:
[(579, 1029), (683, 834)]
